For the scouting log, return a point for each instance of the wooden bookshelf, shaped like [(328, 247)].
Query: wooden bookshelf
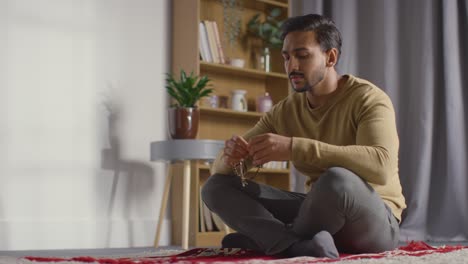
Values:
[(222, 112), (241, 72), (219, 123), (274, 3)]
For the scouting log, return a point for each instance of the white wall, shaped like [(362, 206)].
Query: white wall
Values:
[(73, 175)]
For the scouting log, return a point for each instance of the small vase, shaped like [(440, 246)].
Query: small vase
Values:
[(264, 103), (265, 60), (183, 122), (238, 101)]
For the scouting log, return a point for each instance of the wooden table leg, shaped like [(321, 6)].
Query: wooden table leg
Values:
[(186, 205), (162, 210)]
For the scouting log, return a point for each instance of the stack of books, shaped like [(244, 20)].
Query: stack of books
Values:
[(211, 49), (278, 165)]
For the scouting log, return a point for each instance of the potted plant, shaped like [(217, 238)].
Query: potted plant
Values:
[(183, 114), (268, 31), (232, 23)]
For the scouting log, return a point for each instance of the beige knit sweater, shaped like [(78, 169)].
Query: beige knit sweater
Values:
[(355, 129)]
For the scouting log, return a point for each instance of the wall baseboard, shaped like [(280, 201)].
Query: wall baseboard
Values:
[(81, 234)]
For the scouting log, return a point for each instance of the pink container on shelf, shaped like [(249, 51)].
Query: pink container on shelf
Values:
[(264, 103)]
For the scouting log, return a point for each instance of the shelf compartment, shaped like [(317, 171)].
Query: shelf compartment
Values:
[(250, 73)]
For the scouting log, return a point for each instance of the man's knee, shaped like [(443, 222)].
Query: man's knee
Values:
[(213, 188), (338, 180)]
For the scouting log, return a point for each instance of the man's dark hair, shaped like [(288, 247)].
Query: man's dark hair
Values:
[(327, 34)]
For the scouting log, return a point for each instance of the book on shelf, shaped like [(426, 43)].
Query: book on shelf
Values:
[(211, 41), (208, 218), (211, 49), (201, 216), (218, 223), (218, 42), (204, 46), (278, 165)]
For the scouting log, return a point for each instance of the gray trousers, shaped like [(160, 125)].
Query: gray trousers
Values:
[(340, 202)]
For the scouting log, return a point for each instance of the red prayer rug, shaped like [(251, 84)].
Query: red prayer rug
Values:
[(239, 256)]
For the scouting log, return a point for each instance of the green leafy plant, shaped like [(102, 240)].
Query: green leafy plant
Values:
[(232, 19), (268, 30), (188, 89)]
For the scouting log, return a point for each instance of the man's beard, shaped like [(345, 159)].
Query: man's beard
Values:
[(309, 86), (303, 89)]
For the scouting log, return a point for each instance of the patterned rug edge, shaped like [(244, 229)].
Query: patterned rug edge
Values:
[(240, 256)]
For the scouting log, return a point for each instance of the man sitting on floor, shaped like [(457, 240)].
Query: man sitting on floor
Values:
[(340, 131)]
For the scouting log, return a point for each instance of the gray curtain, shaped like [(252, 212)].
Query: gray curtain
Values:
[(417, 51)]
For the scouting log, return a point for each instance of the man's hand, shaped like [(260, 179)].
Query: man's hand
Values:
[(269, 147), (235, 150)]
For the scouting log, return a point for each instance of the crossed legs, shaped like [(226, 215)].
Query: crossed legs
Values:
[(340, 203)]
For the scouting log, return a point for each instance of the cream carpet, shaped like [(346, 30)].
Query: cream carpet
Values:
[(456, 257)]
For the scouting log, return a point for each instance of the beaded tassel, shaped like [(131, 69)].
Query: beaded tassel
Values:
[(240, 171)]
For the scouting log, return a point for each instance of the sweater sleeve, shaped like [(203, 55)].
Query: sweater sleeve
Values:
[(264, 125), (374, 157)]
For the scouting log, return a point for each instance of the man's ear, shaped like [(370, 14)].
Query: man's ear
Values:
[(332, 57)]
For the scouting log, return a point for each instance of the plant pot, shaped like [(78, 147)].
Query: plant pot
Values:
[(183, 122)]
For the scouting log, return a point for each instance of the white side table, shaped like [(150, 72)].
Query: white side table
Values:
[(184, 150)]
